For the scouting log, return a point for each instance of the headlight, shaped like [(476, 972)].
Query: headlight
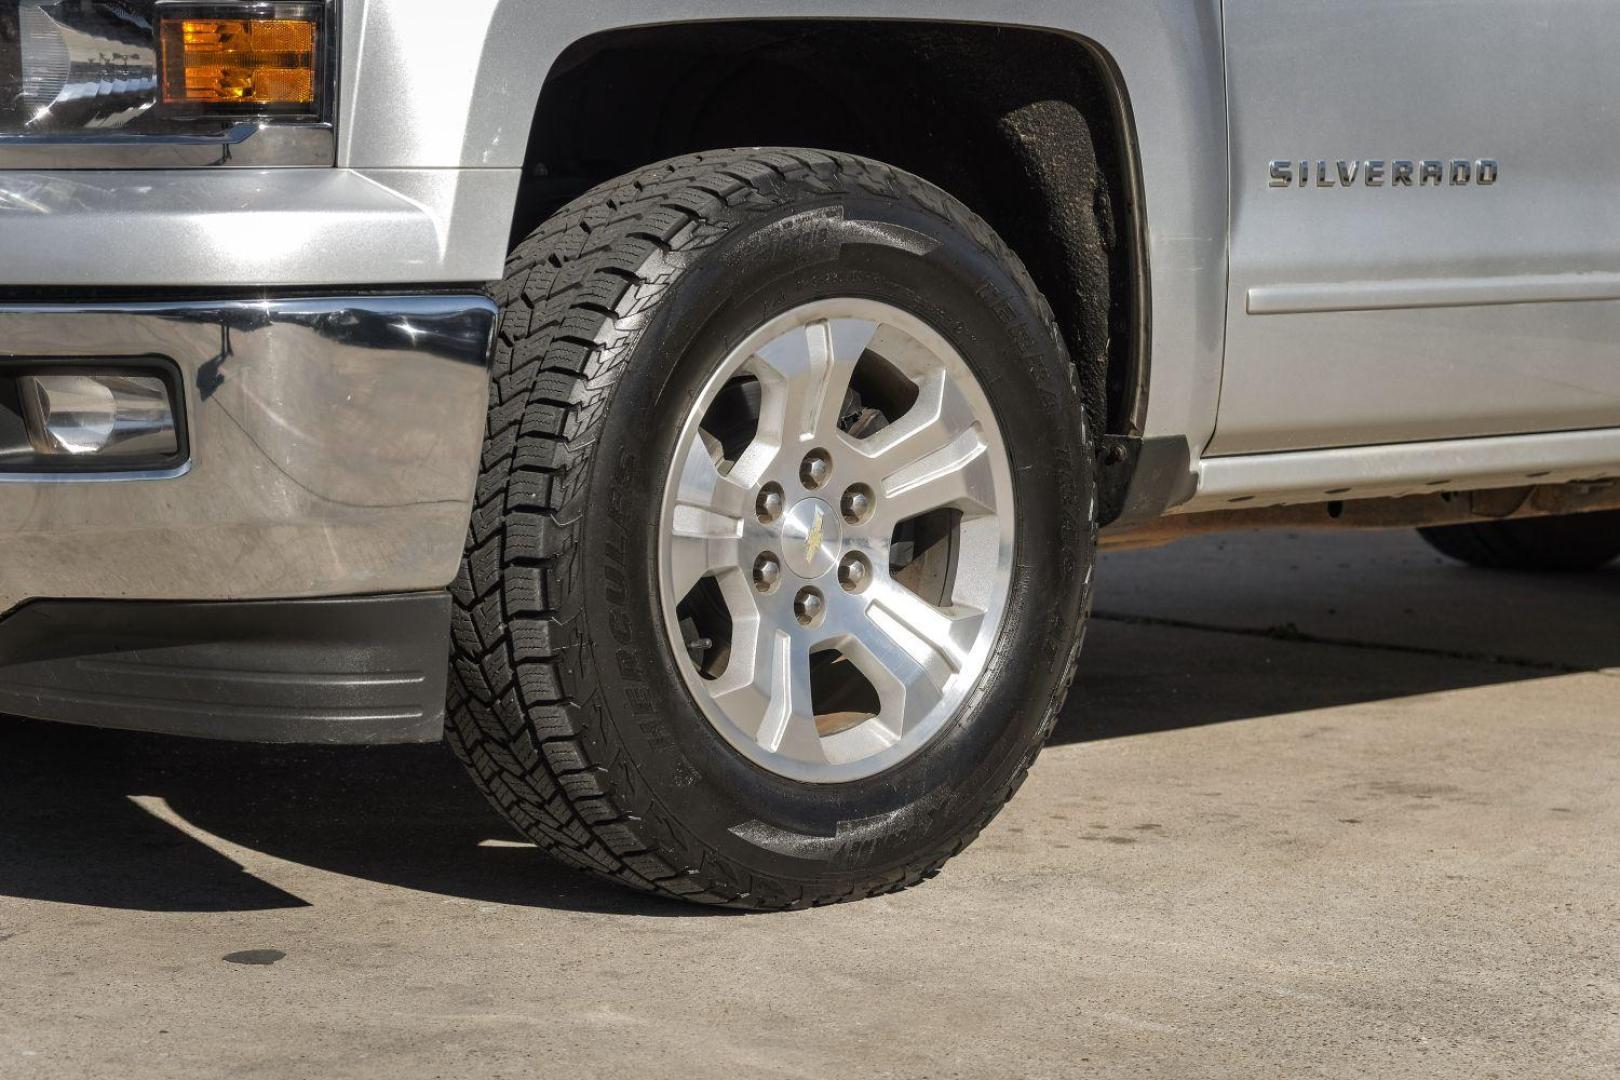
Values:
[(83, 68), (98, 68)]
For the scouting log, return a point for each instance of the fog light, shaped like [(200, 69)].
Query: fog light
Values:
[(110, 416)]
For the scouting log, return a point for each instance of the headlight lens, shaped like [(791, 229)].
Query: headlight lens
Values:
[(84, 66), (100, 67)]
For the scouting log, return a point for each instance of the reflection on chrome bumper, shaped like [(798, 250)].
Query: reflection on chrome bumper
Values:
[(334, 449)]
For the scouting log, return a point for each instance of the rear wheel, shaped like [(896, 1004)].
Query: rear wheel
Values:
[(784, 532), (1571, 543)]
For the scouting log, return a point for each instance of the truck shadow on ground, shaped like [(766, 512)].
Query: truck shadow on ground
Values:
[(119, 820)]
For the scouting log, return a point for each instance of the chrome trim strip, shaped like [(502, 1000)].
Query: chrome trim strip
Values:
[(334, 446), (1390, 470), (250, 145), (233, 135), (94, 477), (1432, 293)]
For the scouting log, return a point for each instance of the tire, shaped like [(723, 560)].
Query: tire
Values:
[(1574, 543), (568, 702)]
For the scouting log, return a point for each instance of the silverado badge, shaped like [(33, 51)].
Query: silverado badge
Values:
[(1400, 172)]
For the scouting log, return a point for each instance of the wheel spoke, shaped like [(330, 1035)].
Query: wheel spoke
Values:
[(956, 475), (938, 637), (912, 650), (790, 722), (807, 371), (933, 456), (695, 551), (766, 692), (703, 486), (744, 691), (705, 523)]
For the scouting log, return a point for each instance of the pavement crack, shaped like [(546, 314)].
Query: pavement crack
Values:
[(1292, 633)]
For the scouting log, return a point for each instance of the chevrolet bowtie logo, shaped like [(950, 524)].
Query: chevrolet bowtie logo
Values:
[(812, 543)]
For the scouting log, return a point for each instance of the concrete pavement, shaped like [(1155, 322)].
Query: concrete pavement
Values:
[(1320, 806)]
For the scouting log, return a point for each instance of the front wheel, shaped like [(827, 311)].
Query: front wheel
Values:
[(784, 532)]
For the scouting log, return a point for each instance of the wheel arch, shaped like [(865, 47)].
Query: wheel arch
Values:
[(1021, 124)]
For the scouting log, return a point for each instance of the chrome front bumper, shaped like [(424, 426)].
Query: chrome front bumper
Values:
[(334, 446)]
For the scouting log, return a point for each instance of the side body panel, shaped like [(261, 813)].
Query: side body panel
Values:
[(425, 91), (1367, 311)]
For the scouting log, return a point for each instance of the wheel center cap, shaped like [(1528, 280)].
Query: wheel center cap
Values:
[(811, 536)]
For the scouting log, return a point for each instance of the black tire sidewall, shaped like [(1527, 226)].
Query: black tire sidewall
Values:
[(683, 770)]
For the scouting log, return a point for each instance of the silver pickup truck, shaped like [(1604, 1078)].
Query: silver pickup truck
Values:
[(708, 413)]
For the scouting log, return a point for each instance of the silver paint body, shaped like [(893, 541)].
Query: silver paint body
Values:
[(1308, 343), (1364, 315)]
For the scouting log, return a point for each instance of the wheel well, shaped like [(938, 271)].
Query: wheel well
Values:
[(1029, 128)]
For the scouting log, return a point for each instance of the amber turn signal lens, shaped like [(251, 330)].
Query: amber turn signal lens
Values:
[(254, 64)]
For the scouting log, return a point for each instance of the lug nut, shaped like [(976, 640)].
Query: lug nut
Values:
[(770, 502), (856, 504), (767, 572), (808, 606), (854, 572), (815, 469)]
